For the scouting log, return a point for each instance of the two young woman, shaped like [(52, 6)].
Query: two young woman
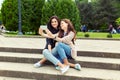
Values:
[(64, 49)]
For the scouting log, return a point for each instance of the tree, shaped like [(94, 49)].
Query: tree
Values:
[(36, 18), (68, 9), (31, 14), (118, 21), (116, 4), (105, 14), (97, 14), (63, 9), (27, 14), (86, 12), (9, 14), (48, 10), (0, 18)]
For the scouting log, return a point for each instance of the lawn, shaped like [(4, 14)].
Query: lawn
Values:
[(97, 35), (79, 35)]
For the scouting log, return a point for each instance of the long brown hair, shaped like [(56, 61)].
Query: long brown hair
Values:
[(70, 28)]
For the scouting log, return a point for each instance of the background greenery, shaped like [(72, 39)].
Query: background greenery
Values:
[(96, 15)]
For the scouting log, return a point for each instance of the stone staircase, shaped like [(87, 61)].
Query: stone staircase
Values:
[(17, 64)]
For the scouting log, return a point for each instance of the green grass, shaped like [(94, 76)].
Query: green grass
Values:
[(97, 35), (79, 35)]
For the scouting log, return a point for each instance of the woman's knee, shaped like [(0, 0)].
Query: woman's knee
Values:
[(59, 45), (45, 52)]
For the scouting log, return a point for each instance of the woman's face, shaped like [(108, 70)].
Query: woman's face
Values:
[(54, 23), (63, 25)]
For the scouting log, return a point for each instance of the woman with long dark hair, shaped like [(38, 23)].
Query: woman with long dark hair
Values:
[(53, 25)]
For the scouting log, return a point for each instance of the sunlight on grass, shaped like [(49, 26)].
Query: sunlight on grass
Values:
[(97, 35), (79, 35)]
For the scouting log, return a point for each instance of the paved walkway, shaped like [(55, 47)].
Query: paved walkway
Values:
[(81, 44)]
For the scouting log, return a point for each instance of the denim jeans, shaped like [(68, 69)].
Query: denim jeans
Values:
[(58, 53), (52, 56), (64, 50)]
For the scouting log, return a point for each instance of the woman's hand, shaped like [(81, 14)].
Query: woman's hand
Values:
[(40, 31), (49, 34)]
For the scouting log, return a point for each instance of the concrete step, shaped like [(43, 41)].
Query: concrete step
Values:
[(24, 70), (90, 62), (22, 50), (80, 53), (99, 54), (99, 62), (11, 78)]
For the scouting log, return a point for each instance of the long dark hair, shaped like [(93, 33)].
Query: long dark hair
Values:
[(70, 28), (50, 27)]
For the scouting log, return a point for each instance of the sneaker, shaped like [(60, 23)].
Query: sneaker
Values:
[(57, 68), (37, 65), (63, 70), (78, 67)]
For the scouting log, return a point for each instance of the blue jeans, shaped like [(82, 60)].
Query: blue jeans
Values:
[(52, 56), (64, 50), (60, 52)]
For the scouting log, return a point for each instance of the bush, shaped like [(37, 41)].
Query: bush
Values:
[(86, 35), (109, 36), (118, 21), (63, 9)]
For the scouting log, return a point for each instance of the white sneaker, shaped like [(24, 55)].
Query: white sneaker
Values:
[(37, 65), (78, 67), (63, 70), (57, 67)]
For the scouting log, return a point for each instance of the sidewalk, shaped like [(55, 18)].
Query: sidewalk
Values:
[(92, 59), (81, 44)]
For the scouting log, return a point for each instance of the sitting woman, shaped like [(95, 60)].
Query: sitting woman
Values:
[(65, 46), (53, 26)]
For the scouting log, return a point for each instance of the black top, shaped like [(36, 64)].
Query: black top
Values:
[(51, 41)]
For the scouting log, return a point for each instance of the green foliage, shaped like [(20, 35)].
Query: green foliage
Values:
[(118, 21), (31, 14), (36, 19), (68, 9), (48, 10), (86, 12), (116, 4), (98, 13), (95, 15), (86, 35), (27, 14), (105, 13), (63, 9), (109, 36), (0, 18), (97, 35), (9, 14)]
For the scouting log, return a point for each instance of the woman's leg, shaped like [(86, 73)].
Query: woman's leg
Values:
[(64, 52), (50, 56), (42, 60), (39, 63), (55, 53), (45, 51)]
